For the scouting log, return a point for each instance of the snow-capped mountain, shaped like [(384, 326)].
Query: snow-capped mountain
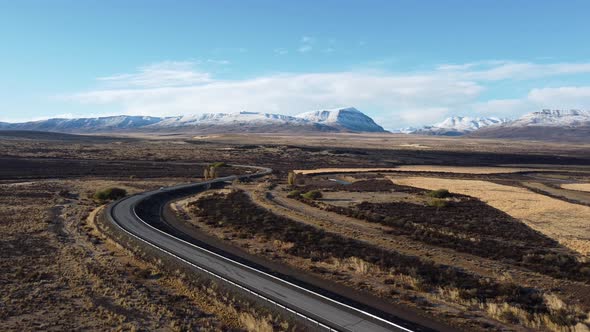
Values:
[(556, 125), (348, 118), (86, 124), (457, 126), (228, 119), (553, 118), (406, 130)]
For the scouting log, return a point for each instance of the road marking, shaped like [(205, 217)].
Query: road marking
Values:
[(265, 172)]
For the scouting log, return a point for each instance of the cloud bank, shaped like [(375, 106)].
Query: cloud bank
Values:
[(394, 99)]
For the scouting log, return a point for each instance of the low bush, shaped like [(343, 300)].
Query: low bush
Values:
[(312, 195), (110, 194), (439, 193), (294, 194), (218, 164), (437, 203), (309, 242)]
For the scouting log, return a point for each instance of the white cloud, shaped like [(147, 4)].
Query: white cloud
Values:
[(396, 99), (291, 94), (502, 107), (304, 48), (281, 51), (218, 62), (168, 73), (307, 39), (568, 97), (562, 97), (502, 70), (306, 44)]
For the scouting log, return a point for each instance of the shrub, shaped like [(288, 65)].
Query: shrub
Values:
[(294, 194), (439, 193), (218, 164), (313, 195), (110, 194), (437, 203)]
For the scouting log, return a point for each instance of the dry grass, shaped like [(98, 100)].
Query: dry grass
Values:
[(566, 222), (577, 186), (58, 271), (254, 324), (420, 168)]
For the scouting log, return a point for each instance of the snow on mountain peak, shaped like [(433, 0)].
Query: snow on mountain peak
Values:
[(349, 118), (465, 123), (242, 117), (553, 118), (457, 125)]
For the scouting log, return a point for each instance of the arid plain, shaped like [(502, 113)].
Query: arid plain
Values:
[(472, 235)]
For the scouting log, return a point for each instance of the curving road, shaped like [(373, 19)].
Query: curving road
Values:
[(317, 309)]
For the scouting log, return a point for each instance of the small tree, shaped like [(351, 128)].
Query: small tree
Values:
[(292, 178), (206, 173)]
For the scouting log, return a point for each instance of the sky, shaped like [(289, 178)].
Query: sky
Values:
[(404, 63)]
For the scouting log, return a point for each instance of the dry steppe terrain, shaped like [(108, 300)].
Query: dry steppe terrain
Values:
[(506, 249)]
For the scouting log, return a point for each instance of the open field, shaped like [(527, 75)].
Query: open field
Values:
[(558, 191), (420, 168), (577, 186), (467, 261), (563, 221)]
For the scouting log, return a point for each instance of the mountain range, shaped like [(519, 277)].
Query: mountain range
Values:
[(557, 125), (455, 126), (331, 120), (565, 125), (543, 125)]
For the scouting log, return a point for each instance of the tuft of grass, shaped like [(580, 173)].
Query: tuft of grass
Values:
[(252, 323), (218, 164), (312, 195), (438, 203), (294, 194), (439, 193), (110, 194)]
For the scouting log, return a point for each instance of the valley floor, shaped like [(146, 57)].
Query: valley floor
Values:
[(507, 249)]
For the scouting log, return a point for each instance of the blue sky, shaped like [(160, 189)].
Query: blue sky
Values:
[(402, 62)]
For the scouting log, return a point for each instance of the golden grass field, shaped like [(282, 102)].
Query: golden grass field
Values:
[(565, 222), (577, 186), (421, 168)]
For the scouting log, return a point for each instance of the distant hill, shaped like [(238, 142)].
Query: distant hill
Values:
[(335, 120), (84, 125), (345, 118), (54, 136), (455, 126), (555, 125)]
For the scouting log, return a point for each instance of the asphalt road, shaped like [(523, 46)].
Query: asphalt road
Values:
[(323, 311)]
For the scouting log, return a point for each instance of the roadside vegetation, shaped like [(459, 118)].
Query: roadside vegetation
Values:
[(468, 225), (463, 223), (235, 211), (212, 171), (110, 194)]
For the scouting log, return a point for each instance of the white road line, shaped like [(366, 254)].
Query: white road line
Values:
[(249, 267)]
